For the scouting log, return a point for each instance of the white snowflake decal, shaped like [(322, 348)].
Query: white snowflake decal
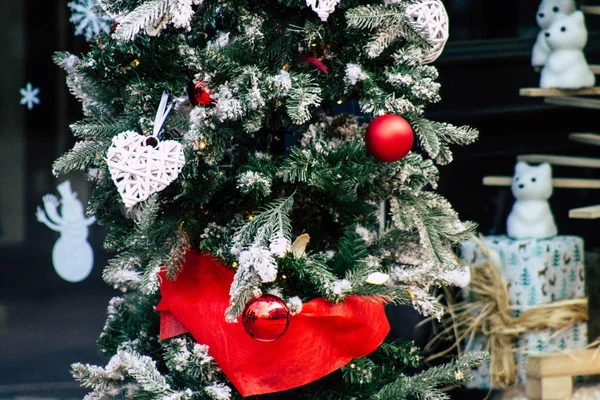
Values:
[(29, 96), (85, 19)]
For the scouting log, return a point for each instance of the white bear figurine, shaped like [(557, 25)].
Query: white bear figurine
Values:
[(566, 66), (531, 217), (548, 12)]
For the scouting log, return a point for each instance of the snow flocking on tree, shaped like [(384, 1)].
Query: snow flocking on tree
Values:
[(272, 201)]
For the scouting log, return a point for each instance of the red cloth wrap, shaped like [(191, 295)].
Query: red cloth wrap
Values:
[(319, 340)]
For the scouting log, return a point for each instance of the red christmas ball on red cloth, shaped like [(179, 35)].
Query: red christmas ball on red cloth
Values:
[(198, 94), (266, 318), (389, 138)]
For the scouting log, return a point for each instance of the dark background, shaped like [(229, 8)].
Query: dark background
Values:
[(47, 323)]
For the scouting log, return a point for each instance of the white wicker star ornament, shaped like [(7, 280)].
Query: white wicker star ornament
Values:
[(143, 165), (431, 17)]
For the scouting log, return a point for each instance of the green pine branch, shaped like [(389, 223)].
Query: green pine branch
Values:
[(147, 14), (433, 218), (351, 250), (272, 222), (81, 157), (428, 384), (102, 128), (303, 96)]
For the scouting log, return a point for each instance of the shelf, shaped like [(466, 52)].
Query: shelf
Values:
[(580, 102), (559, 183), (591, 10), (590, 212), (569, 161), (586, 138), (540, 92)]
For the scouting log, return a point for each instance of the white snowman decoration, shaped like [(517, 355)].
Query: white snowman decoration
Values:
[(566, 66), (531, 216), (72, 255), (548, 12)]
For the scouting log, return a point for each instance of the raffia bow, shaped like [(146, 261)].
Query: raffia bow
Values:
[(487, 310)]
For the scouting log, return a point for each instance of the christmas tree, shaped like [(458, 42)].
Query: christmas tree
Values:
[(556, 259), (533, 296), (525, 279), (257, 236)]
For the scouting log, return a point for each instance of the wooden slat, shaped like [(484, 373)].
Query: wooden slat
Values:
[(573, 363), (590, 212), (595, 69), (41, 387), (580, 102), (563, 183), (540, 92), (584, 162), (554, 388), (591, 10), (587, 138)]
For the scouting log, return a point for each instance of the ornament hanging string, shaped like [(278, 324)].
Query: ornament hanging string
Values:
[(487, 310), (161, 115)]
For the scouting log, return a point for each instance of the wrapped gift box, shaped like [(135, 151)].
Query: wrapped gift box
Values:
[(535, 272)]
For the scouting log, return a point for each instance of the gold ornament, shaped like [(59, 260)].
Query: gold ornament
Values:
[(298, 248), (377, 278)]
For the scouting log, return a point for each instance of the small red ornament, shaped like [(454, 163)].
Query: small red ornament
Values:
[(198, 94), (266, 318), (317, 63), (389, 138)]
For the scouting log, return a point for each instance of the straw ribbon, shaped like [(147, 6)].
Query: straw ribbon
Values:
[(487, 310)]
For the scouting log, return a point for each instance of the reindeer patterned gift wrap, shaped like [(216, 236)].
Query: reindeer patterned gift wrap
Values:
[(536, 272)]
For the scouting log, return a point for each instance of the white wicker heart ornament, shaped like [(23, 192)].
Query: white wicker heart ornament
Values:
[(143, 165), (139, 169)]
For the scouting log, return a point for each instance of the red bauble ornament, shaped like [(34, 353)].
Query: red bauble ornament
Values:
[(198, 94), (389, 138), (266, 318)]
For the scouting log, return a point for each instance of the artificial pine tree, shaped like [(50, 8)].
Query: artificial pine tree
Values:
[(245, 217)]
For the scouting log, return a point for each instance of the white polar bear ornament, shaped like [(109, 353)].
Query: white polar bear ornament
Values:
[(531, 216), (72, 255), (548, 12), (566, 66)]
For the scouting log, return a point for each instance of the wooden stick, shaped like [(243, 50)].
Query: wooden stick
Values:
[(540, 92), (581, 102), (584, 162), (590, 212), (595, 68), (563, 183), (591, 10), (567, 363), (553, 388), (587, 138)]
